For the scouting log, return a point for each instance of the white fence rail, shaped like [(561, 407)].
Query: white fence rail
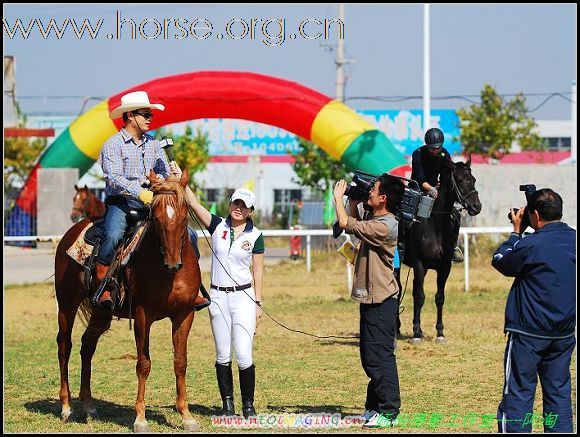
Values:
[(309, 233)]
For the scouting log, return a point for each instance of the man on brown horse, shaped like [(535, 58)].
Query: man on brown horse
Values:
[(126, 157)]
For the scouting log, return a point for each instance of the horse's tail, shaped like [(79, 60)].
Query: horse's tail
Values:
[(85, 311)]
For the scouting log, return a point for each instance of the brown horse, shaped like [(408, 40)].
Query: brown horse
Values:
[(163, 278), (86, 205)]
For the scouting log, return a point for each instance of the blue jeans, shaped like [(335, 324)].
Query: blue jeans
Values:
[(115, 225)]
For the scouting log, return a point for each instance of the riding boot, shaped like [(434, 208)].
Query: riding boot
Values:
[(226, 385), (247, 385), (202, 300), (105, 301)]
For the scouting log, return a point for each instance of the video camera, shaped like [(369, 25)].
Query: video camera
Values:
[(528, 189), (413, 202), (363, 184)]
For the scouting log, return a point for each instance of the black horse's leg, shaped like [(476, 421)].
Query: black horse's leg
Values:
[(442, 275), (397, 274), (99, 323), (419, 273)]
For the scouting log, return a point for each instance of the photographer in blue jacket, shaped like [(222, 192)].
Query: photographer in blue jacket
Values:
[(540, 316)]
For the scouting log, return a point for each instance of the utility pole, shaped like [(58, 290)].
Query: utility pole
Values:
[(426, 70), (574, 124), (339, 60), (340, 81)]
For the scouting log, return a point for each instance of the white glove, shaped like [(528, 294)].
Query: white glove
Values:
[(433, 192)]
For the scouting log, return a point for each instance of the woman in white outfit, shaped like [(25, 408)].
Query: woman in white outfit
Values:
[(236, 291)]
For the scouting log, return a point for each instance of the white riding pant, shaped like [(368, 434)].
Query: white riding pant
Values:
[(233, 322)]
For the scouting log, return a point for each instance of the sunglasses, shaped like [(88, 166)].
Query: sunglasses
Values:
[(145, 115)]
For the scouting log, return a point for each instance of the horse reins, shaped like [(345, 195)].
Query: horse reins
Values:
[(460, 197)]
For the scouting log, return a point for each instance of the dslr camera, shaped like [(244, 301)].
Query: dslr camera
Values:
[(528, 189)]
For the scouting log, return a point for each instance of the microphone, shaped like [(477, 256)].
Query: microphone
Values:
[(167, 144)]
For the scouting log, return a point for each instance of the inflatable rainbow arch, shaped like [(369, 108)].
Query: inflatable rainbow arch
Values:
[(328, 123)]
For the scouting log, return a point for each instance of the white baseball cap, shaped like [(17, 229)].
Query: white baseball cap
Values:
[(246, 195)]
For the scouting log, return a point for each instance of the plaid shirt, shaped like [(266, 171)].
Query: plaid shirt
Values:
[(126, 165)]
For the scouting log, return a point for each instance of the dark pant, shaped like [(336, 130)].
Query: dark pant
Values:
[(378, 328), (525, 359)]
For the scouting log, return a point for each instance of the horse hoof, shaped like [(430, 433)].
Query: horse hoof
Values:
[(190, 425), (141, 427), (65, 415), (441, 340), (416, 340)]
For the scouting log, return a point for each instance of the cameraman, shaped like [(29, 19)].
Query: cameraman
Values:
[(376, 289), (540, 316)]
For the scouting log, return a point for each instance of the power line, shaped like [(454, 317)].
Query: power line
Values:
[(470, 98)]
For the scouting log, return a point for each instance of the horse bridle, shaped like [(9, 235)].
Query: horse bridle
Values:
[(462, 199), (151, 216), (86, 204)]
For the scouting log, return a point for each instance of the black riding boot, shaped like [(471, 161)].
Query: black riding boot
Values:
[(226, 386), (247, 385)]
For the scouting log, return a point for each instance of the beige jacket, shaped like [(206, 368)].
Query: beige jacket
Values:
[(374, 281)]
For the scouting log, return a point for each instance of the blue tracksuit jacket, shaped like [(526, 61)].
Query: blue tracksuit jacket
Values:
[(542, 299)]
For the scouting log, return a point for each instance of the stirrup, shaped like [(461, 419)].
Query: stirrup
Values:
[(101, 289)]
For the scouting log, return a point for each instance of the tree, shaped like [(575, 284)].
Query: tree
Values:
[(20, 156), (190, 151), (315, 168), (491, 127)]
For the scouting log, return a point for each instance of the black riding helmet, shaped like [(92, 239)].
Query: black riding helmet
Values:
[(434, 138)]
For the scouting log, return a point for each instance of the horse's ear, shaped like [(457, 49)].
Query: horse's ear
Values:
[(469, 161), (184, 178), (86, 187), (76, 188)]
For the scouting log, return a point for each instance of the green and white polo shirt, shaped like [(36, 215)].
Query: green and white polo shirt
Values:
[(234, 254)]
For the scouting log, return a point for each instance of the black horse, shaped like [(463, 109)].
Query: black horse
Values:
[(429, 244)]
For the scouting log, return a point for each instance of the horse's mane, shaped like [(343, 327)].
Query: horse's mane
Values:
[(170, 184)]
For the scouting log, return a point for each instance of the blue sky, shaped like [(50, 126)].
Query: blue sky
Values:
[(516, 48)]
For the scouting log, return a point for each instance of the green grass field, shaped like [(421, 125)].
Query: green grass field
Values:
[(452, 387)]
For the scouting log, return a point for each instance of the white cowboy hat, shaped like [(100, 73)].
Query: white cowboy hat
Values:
[(133, 101)]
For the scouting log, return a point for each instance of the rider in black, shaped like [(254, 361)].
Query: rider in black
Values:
[(427, 164)]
